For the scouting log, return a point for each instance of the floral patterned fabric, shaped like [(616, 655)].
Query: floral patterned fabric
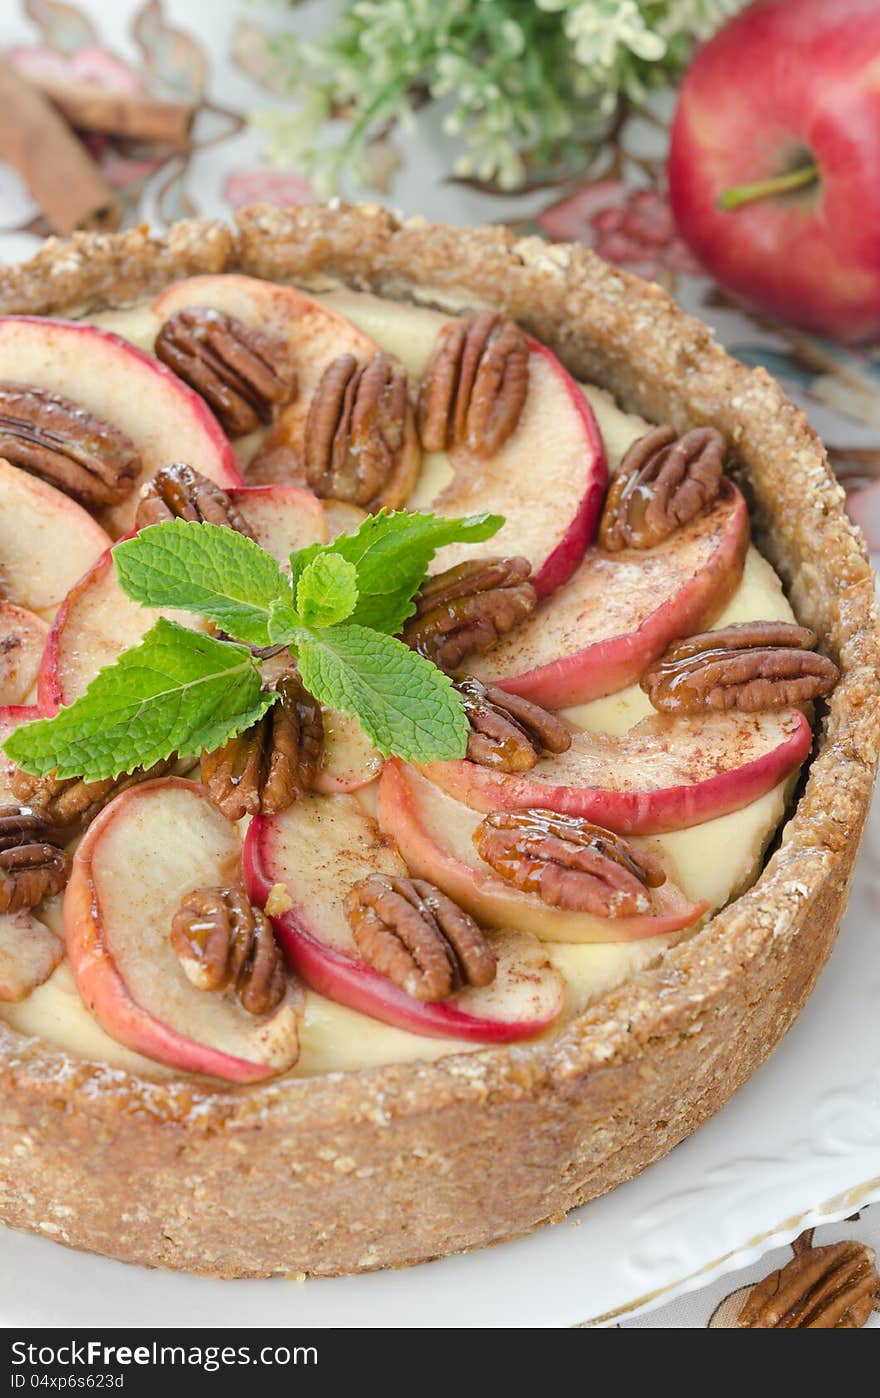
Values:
[(216, 56)]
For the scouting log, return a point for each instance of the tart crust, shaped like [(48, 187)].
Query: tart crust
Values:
[(397, 1164)]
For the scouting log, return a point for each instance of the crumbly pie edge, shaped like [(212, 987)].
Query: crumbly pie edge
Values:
[(396, 1164)]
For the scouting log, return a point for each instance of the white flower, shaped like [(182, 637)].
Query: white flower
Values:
[(599, 27)]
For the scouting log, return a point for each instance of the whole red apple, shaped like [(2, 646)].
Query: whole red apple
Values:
[(774, 165)]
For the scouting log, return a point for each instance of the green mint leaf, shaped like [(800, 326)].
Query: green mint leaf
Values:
[(177, 691), (391, 552), (203, 568), (404, 704), (285, 624), (326, 590)]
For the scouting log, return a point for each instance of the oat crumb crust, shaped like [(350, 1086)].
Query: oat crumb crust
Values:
[(397, 1164)]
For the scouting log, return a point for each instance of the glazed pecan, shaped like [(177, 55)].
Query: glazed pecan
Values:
[(356, 429), (568, 862), (263, 770), (828, 1288), (663, 482), (475, 385), (754, 666), (70, 805), (179, 491), (32, 867), (225, 943), (62, 443), (418, 937), (242, 373), (508, 733), (466, 609)]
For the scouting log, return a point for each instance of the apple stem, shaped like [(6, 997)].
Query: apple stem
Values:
[(800, 178)]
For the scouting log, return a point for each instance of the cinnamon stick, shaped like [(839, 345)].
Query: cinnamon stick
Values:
[(134, 115), (58, 170)]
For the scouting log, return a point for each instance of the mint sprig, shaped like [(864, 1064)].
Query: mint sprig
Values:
[(181, 691)]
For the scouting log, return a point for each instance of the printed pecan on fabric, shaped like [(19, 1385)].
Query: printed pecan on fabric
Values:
[(179, 491), (243, 374), (467, 609), (62, 443), (475, 385), (226, 944), (419, 938), (827, 1288), (663, 482), (32, 867), (753, 667), (568, 862)]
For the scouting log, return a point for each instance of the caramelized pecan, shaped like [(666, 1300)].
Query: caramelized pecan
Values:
[(263, 770), (663, 482), (568, 862), (242, 373), (32, 867), (62, 443), (506, 732), (418, 937), (70, 805), (754, 666), (827, 1288), (179, 491), (224, 943), (475, 385), (356, 429), (466, 609)]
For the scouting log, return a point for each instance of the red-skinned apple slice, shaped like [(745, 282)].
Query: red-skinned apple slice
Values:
[(103, 373), (47, 540), (548, 479), (620, 611), (434, 835), (22, 642), (664, 774), (97, 622), (11, 715), (317, 850), (29, 953), (149, 848), (314, 335)]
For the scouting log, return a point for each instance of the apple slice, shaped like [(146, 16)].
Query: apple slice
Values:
[(29, 953), (103, 373), (145, 852), (22, 642), (11, 715), (548, 479), (47, 540), (620, 611), (434, 835), (97, 622), (664, 774), (349, 760), (316, 850), (315, 336)]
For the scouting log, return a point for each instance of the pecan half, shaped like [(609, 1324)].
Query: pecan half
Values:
[(568, 862), (263, 770), (32, 867), (62, 443), (466, 609), (827, 1288), (225, 943), (475, 385), (663, 482), (242, 373), (69, 805), (356, 429), (754, 666), (508, 733), (418, 937), (179, 491)]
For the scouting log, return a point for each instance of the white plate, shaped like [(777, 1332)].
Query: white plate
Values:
[(800, 1143)]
